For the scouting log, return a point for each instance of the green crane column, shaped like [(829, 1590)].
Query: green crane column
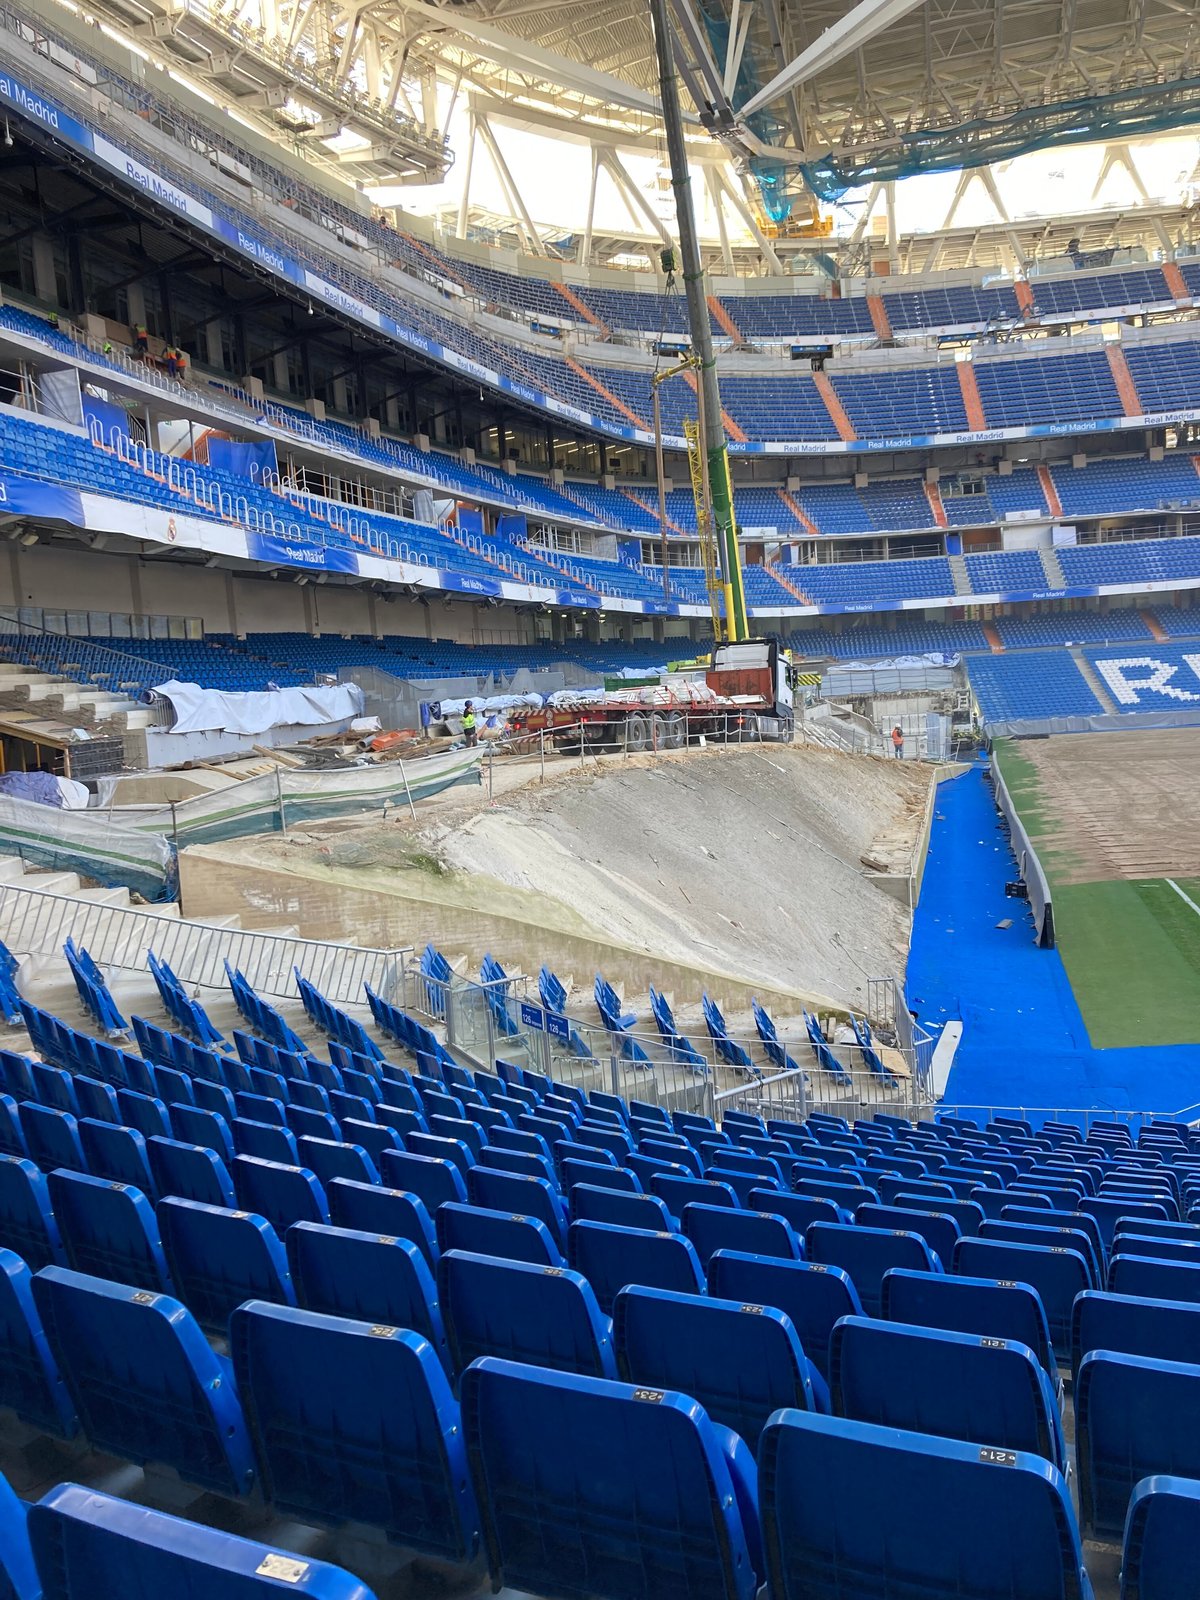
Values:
[(714, 442)]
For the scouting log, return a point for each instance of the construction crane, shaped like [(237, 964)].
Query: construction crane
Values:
[(711, 444), (720, 594)]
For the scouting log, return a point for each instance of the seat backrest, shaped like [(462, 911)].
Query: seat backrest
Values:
[(109, 1230), (281, 1193), (27, 1222), (190, 1172), (369, 1276), (1107, 1210), (373, 1209), (30, 1383), (713, 1228), (562, 1461), (91, 1546), (1134, 1416), (145, 1384), (592, 1203), (51, 1137), (546, 1316), (842, 1516), (798, 1210), (355, 1422), (117, 1153), (1138, 1244), (1052, 1236), (958, 1385), (1057, 1274), (741, 1361), (526, 1197), (811, 1296), (610, 1258), (866, 1254), (219, 1257), (1153, 1279), (994, 1308), (1159, 1559), (495, 1233), (430, 1178), (939, 1230), (1167, 1330)]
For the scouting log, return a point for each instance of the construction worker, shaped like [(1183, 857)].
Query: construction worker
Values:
[(470, 731), (141, 340), (171, 357), (898, 742), (108, 349)]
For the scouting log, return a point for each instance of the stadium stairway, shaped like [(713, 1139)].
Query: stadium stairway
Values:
[(61, 699), (1056, 578), (1092, 678), (962, 578)]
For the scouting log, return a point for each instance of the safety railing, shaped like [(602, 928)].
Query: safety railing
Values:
[(81, 661), (38, 922)]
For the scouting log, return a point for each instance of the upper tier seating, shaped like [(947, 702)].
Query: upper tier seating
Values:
[(1041, 683)]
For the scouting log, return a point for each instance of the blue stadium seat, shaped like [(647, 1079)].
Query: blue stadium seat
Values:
[(1057, 1275), (109, 1230), (1154, 1245), (610, 1258), (283, 1194), (12, 1138), (1153, 1279), (1161, 1560), (546, 1316), (90, 1546), (355, 1423), (371, 1209), (495, 1233), (52, 1138), (526, 1197), (939, 1230), (19, 1578), (958, 1385), (846, 1507), (1167, 1330), (1134, 1417), (742, 1361), (143, 1380), (812, 1297), (592, 1203), (797, 1209), (1107, 1211), (999, 1309), (587, 1489), (368, 1276), (430, 1178), (190, 1172), (866, 1254), (266, 1141), (30, 1383), (713, 1228), (200, 1125), (27, 1223), (117, 1153), (220, 1257), (1052, 1237)]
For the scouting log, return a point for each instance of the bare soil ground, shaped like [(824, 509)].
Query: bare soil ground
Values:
[(1114, 805)]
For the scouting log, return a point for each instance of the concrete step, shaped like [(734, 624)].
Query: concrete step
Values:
[(53, 882), (12, 869)]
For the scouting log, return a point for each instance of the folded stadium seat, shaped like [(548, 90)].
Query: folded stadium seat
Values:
[(1153, 1279), (1052, 1237), (741, 1361), (989, 1307), (372, 1209), (812, 1297), (1166, 1330), (30, 1383), (585, 1488), (12, 1139), (116, 1153), (521, 1165), (19, 1579), (1135, 1244), (52, 1137), (204, 1126), (1134, 1416), (368, 1276), (939, 1230), (845, 1507), (91, 1546), (266, 1141), (355, 1423), (189, 1172), (143, 1380), (283, 1194), (610, 1258), (53, 1086), (1057, 1275), (526, 1197), (1107, 1211), (219, 1257), (1153, 1228), (598, 1173), (1159, 1559), (304, 1123), (109, 1230), (27, 1224), (545, 1316), (334, 1158), (713, 1228), (866, 1254), (482, 1231), (1079, 1221), (958, 1385), (431, 1178)]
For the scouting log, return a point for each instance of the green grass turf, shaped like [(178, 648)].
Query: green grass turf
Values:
[(1131, 948)]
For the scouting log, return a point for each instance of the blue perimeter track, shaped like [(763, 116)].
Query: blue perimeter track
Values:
[(1024, 1044)]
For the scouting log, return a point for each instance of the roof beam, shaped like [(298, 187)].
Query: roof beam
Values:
[(860, 24)]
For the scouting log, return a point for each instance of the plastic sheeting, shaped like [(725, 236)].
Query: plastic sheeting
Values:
[(90, 843), (200, 710), (1100, 722), (46, 790)]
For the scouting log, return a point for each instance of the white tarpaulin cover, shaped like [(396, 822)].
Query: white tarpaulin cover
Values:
[(200, 710)]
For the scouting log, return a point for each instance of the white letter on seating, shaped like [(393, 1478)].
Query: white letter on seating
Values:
[(1156, 677)]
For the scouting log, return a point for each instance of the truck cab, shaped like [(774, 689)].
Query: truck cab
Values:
[(755, 672)]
